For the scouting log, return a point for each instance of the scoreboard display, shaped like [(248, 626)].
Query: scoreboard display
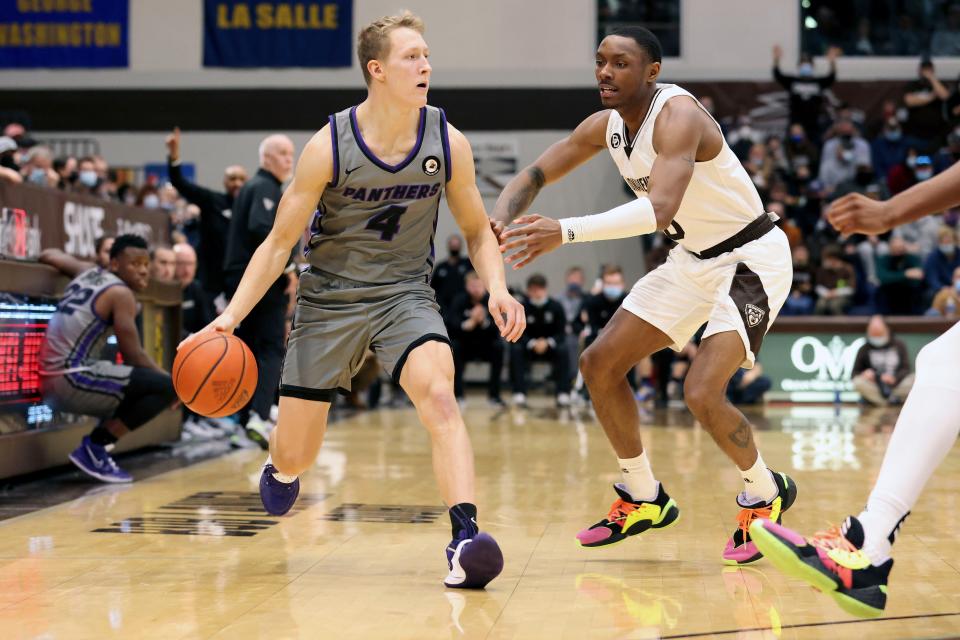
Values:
[(23, 323)]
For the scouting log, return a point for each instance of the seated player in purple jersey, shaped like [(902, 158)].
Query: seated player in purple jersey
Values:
[(377, 171), (72, 379)]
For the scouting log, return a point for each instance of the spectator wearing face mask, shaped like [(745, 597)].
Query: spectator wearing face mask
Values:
[(806, 90), (881, 371), (915, 169), (800, 151), (890, 148), (743, 137), (598, 309), (949, 154), (842, 155), (924, 99), (542, 340), (37, 168), (942, 261), (947, 301), (448, 276), (901, 279), (572, 299), (88, 181)]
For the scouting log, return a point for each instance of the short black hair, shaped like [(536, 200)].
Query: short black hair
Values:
[(98, 244), (644, 39), (537, 280), (125, 241)]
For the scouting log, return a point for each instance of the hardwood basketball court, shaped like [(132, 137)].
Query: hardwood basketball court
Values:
[(191, 554)]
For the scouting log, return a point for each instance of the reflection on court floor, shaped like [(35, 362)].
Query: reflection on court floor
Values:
[(361, 555)]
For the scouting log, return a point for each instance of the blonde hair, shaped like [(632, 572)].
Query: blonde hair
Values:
[(373, 42)]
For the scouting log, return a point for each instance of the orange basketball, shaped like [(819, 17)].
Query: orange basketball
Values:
[(215, 374)]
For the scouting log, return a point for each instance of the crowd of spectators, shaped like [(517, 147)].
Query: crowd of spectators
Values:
[(827, 149), (830, 149)]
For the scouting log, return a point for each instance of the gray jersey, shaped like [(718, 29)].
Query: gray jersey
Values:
[(76, 332), (376, 222)]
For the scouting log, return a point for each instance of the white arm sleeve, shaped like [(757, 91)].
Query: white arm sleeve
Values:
[(634, 218)]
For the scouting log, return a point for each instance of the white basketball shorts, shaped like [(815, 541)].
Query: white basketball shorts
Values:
[(741, 291)]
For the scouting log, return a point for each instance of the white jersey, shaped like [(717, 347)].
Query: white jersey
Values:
[(720, 199)]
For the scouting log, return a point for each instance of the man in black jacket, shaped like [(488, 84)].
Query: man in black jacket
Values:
[(448, 276), (216, 208), (806, 90), (263, 329), (474, 336), (544, 339)]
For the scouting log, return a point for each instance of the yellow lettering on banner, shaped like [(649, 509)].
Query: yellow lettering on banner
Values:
[(241, 16), (3, 35), (87, 6), (23, 6), (264, 16), (63, 35), (114, 38), (222, 16), (284, 16), (330, 16), (300, 17), (14, 35)]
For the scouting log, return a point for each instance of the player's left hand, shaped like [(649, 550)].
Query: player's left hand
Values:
[(533, 237), (509, 315)]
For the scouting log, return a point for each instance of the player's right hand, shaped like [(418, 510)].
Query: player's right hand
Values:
[(223, 323), (508, 314), (856, 213)]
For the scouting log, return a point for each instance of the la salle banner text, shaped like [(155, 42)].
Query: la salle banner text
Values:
[(239, 33)]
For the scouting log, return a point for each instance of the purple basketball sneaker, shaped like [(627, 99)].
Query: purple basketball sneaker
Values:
[(277, 497), (474, 558), (95, 461)]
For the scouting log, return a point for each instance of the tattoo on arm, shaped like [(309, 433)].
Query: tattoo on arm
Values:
[(525, 195), (690, 160), (742, 435)]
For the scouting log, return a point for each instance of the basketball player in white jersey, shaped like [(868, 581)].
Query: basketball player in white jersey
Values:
[(852, 562), (731, 270)]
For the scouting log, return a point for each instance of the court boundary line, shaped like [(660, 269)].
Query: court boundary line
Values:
[(810, 625)]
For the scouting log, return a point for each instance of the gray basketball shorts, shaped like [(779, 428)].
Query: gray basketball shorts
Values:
[(337, 320), (95, 391)]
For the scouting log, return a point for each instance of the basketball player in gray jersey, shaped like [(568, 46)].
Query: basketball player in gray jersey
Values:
[(378, 170), (125, 396)]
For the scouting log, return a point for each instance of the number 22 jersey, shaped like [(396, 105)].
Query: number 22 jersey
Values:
[(76, 332), (376, 222)]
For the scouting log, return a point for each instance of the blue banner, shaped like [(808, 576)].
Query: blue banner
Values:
[(63, 33), (277, 34)]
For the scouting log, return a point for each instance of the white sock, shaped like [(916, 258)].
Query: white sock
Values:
[(281, 477), (638, 477), (925, 433), (758, 484)]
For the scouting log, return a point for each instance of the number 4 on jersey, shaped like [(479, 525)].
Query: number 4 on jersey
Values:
[(387, 222)]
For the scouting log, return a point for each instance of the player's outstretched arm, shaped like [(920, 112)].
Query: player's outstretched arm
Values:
[(314, 171), (64, 262), (467, 207), (676, 139), (855, 213), (558, 160)]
